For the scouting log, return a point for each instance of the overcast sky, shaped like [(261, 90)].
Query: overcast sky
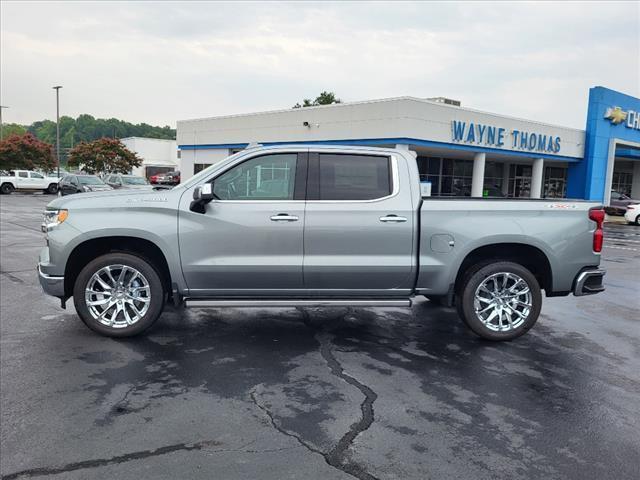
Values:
[(158, 62)]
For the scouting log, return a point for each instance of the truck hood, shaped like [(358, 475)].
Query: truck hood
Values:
[(111, 199)]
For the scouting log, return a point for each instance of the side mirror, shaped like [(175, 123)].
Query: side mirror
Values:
[(202, 195)]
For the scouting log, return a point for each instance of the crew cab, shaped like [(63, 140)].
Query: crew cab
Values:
[(27, 180), (316, 225)]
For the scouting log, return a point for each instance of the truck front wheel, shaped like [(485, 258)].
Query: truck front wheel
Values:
[(500, 301), (52, 189), (118, 295), (6, 188)]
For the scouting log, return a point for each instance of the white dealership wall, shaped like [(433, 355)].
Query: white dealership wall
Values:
[(154, 152), (423, 125)]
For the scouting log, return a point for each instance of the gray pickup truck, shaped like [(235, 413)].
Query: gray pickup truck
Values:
[(313, 225)]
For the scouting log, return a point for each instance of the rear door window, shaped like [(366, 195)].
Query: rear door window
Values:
[(352, 177)]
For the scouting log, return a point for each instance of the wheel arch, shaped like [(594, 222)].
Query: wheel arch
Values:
[(529, 256), (92, 248)]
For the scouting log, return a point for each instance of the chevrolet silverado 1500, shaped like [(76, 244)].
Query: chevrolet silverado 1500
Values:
[(316, 225)]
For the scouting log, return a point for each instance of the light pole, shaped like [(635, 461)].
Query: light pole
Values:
[(1, 107), (57, 89)]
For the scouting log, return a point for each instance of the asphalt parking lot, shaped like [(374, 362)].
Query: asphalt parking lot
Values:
[(320, 393)]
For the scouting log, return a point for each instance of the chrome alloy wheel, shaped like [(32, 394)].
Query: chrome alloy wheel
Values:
[(117, 296), (502, 302)]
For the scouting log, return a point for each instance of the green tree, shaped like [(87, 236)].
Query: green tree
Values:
[(26, 152), (105, 155), (45, 130), (12, 129), (86, 128), (325, 98)]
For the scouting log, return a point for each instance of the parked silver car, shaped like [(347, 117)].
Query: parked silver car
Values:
[(310, 225), (129, 182)]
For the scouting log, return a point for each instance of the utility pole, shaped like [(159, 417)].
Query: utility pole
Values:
[(57, 89), (1, 107)]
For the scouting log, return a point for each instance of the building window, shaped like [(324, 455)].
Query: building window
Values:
[(451, 177), (198, 167), (555, 182), (493, 179), (520, 181), (622, 182)]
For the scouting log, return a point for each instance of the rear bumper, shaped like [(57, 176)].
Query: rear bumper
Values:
[(589, 282)]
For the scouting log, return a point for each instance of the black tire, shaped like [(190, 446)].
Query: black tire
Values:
[(6, 188), (52, 189), (637, 222), (157, 294), (466, 300)]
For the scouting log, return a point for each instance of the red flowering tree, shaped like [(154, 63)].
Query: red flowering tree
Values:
[(105, 155), (26, 152)]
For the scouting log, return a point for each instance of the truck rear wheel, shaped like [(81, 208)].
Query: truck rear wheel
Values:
[(6, 188), (118, 295), (500, 301)]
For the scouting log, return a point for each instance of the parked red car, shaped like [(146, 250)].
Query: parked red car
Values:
[(157, 178), (171, 178)]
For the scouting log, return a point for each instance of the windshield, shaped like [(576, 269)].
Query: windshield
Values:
[(90, 180), (134, 181)]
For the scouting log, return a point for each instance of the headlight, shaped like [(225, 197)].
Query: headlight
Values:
[(53, 218), (86, 188)]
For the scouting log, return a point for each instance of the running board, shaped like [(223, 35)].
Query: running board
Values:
[(319, 302)]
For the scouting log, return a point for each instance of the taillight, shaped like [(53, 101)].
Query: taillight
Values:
[(597, 215)]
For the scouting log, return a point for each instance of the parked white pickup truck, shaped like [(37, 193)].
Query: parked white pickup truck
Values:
[(28, 180)]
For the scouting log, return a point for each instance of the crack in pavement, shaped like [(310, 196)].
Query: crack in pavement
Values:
[(24, 226), (185, 447), (12, 277), (101, 462), (336, 456)]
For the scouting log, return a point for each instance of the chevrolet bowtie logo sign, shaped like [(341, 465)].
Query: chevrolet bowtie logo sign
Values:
[(616, 115)]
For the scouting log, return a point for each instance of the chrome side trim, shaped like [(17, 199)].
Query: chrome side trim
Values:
[(579, 290), (395, 178), (320, 302)]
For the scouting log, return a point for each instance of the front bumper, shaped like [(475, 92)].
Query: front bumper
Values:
[(51, 285), (589, 282)]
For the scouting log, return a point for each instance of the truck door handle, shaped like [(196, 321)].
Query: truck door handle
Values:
[(284, 217), (393, 218)]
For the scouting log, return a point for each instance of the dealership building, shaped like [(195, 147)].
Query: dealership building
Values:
[(158, 155), (459, 151)]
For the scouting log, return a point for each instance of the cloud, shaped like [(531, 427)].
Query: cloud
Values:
[(160, 61)]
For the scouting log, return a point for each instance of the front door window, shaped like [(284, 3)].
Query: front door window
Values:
[(269, 177)]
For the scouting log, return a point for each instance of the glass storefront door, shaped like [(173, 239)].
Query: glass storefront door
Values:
[(520, 181)]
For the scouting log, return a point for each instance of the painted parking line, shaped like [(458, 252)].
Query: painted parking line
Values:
[(622, 240), (623, 248)]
